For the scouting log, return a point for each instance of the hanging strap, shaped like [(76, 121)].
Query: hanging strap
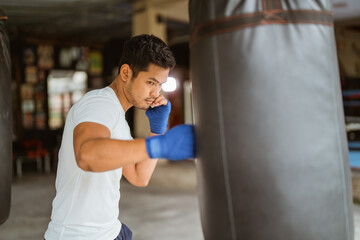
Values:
[(272, 14)]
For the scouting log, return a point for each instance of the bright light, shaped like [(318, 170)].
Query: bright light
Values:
[(170, 85)]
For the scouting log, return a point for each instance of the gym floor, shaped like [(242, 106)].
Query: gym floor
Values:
[(165, 210)]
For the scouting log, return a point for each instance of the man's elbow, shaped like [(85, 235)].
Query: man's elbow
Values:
[(140, 183), (83, 162)]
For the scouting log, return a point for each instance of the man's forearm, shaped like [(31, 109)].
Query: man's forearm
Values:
[(144, 171)]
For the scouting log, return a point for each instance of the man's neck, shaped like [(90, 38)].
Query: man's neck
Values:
[(119, 91)]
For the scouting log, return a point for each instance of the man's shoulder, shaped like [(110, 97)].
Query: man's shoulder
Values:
[(99, 101), (101, 92), (99, 96), (97, 106)]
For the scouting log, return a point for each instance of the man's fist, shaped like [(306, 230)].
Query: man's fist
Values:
[(158, 115), (176, 144)]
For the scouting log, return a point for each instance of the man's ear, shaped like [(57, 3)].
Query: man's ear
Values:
[(125, 72)]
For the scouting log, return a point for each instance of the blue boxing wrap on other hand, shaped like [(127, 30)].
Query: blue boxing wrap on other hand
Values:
[(159, 117), (176, 144)]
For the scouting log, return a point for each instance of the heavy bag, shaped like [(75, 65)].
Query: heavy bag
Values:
[(272, 150), (5, 122)]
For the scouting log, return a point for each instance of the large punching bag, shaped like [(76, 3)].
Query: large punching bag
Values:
[(5, 122), (272, 151)]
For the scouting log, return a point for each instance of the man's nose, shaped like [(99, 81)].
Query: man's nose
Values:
[(156, 91)]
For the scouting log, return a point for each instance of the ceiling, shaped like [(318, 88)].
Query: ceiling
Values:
[(84, 21), (97, 21)]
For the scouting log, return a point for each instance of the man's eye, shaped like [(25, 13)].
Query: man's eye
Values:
[(151, 83)]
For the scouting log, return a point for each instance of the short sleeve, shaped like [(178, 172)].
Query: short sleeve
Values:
[(97, 109)]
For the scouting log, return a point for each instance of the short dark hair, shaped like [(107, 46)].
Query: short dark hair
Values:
[(145, 49)]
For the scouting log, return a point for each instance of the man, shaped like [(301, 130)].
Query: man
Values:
[(97, 148)]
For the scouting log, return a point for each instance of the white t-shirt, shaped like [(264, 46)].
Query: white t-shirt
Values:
[(86, 205)]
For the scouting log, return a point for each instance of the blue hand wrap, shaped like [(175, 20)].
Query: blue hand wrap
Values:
[(176, 144), (158, 118)]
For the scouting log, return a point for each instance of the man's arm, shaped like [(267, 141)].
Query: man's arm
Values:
[(96, 152)]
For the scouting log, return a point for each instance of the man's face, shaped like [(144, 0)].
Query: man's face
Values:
[(143, 90)]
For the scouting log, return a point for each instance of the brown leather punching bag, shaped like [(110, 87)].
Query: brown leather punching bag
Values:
[(272, 151), (5, 122)]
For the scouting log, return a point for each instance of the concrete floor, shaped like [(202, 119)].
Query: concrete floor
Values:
[(165, 210)]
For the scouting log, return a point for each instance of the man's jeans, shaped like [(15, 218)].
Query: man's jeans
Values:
[(125, 233)]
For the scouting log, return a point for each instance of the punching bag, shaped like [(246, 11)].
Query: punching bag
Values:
[(272, 150), (5, 122)]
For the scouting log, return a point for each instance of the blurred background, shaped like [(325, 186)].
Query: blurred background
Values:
[(60, 49)]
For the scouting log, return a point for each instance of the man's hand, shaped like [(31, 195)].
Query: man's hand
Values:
[(176, 144), (158, 115)]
